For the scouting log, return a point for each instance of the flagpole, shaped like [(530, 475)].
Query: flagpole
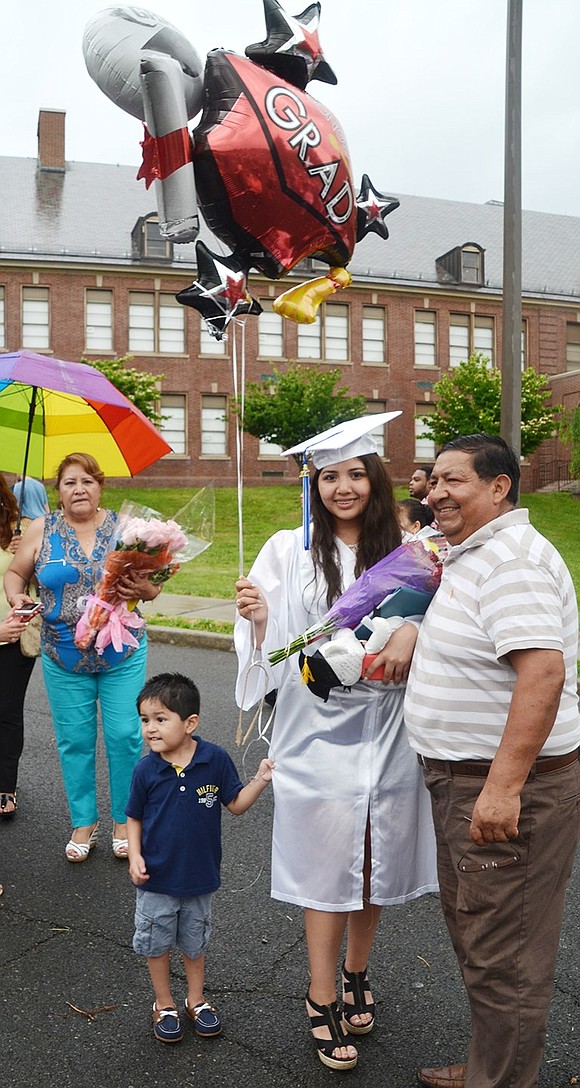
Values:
[(511, 390)]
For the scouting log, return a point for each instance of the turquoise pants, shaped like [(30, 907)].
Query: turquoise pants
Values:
[(73, 699)]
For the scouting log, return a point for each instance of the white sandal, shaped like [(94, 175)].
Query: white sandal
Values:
[(79, 851), (121, 848), (120, 845)]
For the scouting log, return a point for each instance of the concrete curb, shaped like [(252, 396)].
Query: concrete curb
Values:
[(184, 636)]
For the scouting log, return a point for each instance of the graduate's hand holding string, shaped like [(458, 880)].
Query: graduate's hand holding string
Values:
[(251, 605)]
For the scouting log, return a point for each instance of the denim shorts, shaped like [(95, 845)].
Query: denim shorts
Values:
[(163, 922)]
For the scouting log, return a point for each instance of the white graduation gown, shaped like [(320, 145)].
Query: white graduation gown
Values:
[(337, 763)]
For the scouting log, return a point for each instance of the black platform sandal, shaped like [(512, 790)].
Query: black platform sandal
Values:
[(357, 983), (329, 1017), (4, 799)]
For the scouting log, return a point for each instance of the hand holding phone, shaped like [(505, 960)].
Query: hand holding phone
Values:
[(28, 610)]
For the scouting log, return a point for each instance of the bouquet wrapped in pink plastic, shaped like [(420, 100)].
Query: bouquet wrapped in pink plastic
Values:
[(414, 565), (147, 544)]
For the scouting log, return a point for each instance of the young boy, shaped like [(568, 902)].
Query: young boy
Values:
[(174, 832)]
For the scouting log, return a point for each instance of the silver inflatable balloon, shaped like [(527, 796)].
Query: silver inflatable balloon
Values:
[(166, 120), (148, 68), (114, 44)]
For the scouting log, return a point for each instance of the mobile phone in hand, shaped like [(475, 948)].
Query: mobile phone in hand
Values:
[(28, 609)]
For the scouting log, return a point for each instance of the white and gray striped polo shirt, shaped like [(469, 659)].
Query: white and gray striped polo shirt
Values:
[(504, 588)]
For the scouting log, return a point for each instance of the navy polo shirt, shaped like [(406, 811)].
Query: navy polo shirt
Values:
[(181, 818)]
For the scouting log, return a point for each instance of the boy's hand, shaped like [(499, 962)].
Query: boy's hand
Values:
[(138, 870), (265, 770)]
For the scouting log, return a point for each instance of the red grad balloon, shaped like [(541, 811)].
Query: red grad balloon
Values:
[(272, 169)]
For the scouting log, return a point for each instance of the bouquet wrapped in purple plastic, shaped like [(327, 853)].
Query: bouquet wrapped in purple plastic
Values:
[(414, 565)]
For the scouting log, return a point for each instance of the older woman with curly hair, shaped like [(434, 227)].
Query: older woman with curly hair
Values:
[(66, 551)]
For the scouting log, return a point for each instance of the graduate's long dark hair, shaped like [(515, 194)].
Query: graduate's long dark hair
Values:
[(380, 532)]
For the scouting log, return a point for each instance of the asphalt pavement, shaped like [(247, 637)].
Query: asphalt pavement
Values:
[(76, 1000)]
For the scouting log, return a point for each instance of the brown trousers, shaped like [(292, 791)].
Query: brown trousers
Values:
[(503, 904)]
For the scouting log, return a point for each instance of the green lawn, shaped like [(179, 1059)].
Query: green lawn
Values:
[(266, 509)]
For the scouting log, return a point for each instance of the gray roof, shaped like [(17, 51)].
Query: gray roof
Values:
[(88, 212), (423, 229)]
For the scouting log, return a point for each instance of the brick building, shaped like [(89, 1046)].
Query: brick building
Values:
[(85, 274)]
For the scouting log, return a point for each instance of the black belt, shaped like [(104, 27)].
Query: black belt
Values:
[(479, 768)]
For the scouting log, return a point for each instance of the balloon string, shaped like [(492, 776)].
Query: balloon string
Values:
[(239, 394), (243, 733)]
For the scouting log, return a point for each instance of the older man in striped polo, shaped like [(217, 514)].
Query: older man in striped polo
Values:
[(492, 712)]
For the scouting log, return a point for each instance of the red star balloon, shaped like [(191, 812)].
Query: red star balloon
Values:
[(292, 49), (372, 209), (220, 293)]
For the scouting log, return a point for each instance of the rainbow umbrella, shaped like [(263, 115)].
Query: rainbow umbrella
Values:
[(50, 408)]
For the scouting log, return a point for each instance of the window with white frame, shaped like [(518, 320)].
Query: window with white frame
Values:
[(310, 339), (471, 265), (153, 244), (213, 426), (173, 426), (425, 338), (171, 326), (147, 242), (156, 323), (35, 318), (269, 449), (483, 337), (2, 321), (373, 334), (469, 333), (98, 320), (141, 322), (336, 332), (327, 337), (424, 447), (458, 339), (270, 331), (374, 407), (208, 344), (572, 346)]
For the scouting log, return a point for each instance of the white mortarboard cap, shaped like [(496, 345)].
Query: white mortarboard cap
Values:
[(352, 438)]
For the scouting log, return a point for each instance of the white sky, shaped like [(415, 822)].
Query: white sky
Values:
[(420, 95)]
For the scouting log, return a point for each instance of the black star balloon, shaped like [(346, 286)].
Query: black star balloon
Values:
[(372, 208), (220, 292), (291, 49)]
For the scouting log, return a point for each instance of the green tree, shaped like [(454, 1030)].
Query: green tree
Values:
[(140, 388), (569, 433), (289, 406), (469, 400)]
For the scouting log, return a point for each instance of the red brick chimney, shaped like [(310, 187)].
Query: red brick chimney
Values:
[(51, 140)]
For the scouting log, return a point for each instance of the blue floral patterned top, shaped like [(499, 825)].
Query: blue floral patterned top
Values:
[(66, 577)]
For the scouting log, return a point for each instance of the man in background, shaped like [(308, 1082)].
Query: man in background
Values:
[(419, 483)]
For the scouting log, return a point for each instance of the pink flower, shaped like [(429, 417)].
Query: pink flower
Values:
[(151, 533), (144, 545)]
